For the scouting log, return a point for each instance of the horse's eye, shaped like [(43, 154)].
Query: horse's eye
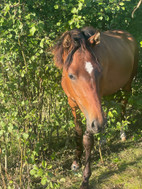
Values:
[(71, 76)]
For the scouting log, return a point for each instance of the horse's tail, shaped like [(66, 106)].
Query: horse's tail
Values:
[(136, 60), (127, 87)]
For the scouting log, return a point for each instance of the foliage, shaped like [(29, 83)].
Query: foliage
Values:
[(33, 108)]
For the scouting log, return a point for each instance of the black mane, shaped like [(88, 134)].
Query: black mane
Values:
[(78, 39)]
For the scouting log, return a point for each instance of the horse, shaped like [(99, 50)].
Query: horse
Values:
[(94, 64)]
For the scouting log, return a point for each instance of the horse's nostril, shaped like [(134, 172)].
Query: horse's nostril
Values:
[(93, 125)]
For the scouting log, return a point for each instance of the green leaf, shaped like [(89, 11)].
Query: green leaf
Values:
[(49, 167), (121, 3), (62, 180), (58, 23), (44, 181), (101, 18), (22, 74), (21, 25), (51, 185), (33, 172), (25, 135), (1, 132), (10, 127), (41, 43), (32, 30), (40, 172), (74, 10), (110, 114), (6, 9), (56, 6), (44, 164)]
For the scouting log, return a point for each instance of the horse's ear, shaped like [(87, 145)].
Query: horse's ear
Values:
[(67, 41), (95, 39), (58, 50), (58, 53)]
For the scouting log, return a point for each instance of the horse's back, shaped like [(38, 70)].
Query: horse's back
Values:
[(116, 53)]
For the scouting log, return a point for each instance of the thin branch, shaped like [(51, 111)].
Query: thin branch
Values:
[(138, 5), (2, 176), (16, 5)]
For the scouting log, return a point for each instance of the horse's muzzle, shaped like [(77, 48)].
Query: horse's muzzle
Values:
[(95, 127)]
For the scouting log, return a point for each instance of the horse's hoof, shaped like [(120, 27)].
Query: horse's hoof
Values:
[(75, 166), (123, 139), (84, 186), (122, 135)]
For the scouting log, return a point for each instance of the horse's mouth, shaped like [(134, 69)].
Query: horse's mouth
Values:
[(95, 127)]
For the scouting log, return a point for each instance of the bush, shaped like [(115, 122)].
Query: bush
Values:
[(33, 107)]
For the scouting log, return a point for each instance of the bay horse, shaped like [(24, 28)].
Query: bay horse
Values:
[(95, 64)]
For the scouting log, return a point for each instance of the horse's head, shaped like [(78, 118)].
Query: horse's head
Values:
[(81, 73)]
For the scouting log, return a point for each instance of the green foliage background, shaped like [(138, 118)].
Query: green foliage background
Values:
[(33, 107)]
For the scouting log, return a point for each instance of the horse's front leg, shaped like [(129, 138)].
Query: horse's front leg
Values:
[(78, 135), (88, 142), (79, 147)]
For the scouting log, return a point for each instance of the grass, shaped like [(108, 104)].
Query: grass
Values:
[(122, 169)]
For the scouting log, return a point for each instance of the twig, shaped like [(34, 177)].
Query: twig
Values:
[(3, 180), (100, 152), (21, 166), (138, 5), (23, 55), (16, 5)]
